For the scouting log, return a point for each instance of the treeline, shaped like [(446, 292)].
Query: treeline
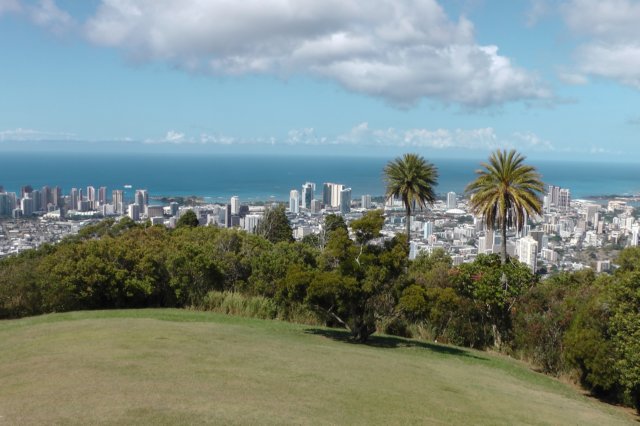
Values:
[(578, 324)]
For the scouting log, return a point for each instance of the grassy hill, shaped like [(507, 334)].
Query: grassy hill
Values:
[(183, 367)]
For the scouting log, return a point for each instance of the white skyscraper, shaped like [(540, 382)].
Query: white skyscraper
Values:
[(117, 198), (142, 198), (428, 229), (294, 201), (134, 212), (528, 250), (251, 221), (345, 200), (235, 205), (635, 230), (91, 194), (452, 203), (366, 201)]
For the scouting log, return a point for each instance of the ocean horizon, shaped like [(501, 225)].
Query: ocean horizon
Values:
[(217, 177)]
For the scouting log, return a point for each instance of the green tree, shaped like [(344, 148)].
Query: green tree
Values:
[(353, 287), (275, 226), (483, 281), (411, 178), (187, 218), (504, 191), (367, 228)]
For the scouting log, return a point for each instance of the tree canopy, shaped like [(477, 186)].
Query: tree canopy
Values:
[(412, 179), (504, 190)]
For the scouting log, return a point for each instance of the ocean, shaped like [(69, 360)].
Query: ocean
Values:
[(271, 177)]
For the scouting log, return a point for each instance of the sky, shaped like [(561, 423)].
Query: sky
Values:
[(457, 78)]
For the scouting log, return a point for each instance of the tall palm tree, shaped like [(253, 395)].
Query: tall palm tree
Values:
[(412, 179), (504, 191)]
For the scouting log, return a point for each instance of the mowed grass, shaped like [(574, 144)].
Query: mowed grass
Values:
[(185, 367)]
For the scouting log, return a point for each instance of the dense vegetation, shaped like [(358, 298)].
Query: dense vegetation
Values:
[(576, 324)]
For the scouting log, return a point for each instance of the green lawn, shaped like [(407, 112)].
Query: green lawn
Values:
[(183, 367)]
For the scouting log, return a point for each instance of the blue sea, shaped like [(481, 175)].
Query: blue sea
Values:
[(271, 177)]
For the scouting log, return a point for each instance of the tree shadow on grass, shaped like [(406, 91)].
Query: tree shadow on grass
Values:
[(392, 342)]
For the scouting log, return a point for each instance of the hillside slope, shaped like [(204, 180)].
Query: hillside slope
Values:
[(183, 367)]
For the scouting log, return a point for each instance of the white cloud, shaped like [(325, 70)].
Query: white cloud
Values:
[(7, 6), (399, 50), (44, 13), (19, 134), (575, 79), (532, 141), (537, 10), (47, 14), (363, 135), (476, 139), (612, 46)]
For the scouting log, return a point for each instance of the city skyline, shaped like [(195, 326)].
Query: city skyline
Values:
[(445, 79)]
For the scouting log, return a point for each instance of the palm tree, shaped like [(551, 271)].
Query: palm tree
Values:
[(412, 179), (504, 191)]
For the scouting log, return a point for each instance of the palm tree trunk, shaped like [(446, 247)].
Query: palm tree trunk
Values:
[(503, 255), (408, 228)]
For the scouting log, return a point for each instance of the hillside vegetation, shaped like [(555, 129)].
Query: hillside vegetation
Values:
[(169, 366), (579, 325)]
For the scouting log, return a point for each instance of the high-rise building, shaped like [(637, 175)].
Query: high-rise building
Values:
[(227, 216), (56, 195), (73, 199), (235, 205), (45, 197), (141, 198), (528, 252), (91, 194), (36, 196), (546, 204), (316, 206), (564, 199), (251, 221), (326, 194), (345, 200), (428, 229), (102, 195), (134, 212), (117, 199), (554, 195), (366, 201), (8, 203), (307, 194), (591, 210), (452, 203), (331, 194), (153, 211), (294, 201), (487, 242), (25, 190), (174, 208), (26, 205), (635, 231)]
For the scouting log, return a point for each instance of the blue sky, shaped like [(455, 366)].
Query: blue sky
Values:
[(553, 79)]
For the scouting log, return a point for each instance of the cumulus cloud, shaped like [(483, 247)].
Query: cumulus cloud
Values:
[(420, 137), (46, 13), (537, 10), (399, 50), (363, 135), (612, 46), (7, 6), (19, 134)]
